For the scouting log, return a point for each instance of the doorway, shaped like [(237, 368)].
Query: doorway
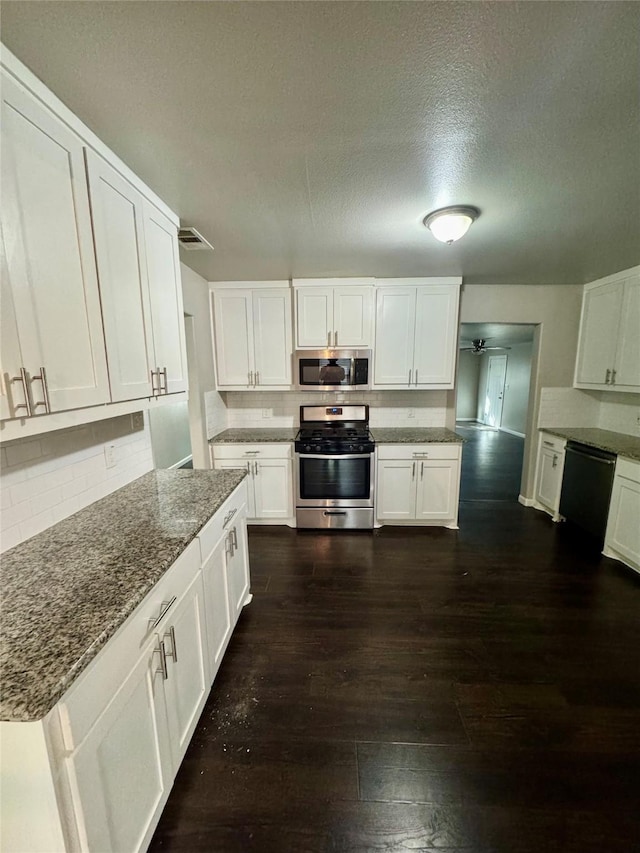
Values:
[(492, 402)]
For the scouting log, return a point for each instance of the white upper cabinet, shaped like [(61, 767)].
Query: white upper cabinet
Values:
[(416, 334), (117, 210), (609, 343), (252, 335), (50, 263), (334, 313)]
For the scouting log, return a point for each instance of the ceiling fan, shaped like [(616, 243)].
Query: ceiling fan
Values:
[(479, 347)]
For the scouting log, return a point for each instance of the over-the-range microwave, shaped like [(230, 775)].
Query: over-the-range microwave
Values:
[(332, 369)]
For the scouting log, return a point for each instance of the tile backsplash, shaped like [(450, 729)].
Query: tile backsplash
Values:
[(567, 407), (387, 408), (48, 478)]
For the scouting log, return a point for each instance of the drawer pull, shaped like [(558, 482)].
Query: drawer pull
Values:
[(234, 538), (548, 444), (421, 455), (173, 654), (163, 660), (251, 452), (228, 517), (164, 609)]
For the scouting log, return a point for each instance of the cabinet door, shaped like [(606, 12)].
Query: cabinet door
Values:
[(165, 297), (435, 337), (314, 317), (187, 683), (394, 340), (598, 333), (49, 245), (627, 364), (352, 314), (273, 490), (238, 569), (271, 319), (396, 489), (123, 767), (117, 211), (550, 467), (623, 530), (246, 465), (437, 490), (13, 391), (232, 323), (216, 599)]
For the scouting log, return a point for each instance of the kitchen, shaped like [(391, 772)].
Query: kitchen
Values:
[(55, 475)]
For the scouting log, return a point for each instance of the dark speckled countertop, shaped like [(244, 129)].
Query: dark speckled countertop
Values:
[(66, 591), (257, 435), (604, 439), (415, 435)]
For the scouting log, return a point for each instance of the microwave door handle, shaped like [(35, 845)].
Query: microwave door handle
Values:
[(353, 371)]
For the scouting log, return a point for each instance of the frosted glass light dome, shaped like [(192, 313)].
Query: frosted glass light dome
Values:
[(451, 223)]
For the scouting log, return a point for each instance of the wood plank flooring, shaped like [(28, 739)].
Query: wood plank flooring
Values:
[(474, 691)]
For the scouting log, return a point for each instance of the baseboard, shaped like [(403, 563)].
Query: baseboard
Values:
[(525, 501), (470, 420), (512, 432)]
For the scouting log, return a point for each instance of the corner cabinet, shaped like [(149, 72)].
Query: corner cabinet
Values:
[(102, 762), (252, 333), (609, 344), (418, 484), (269, 481), (416, 334), (549, 470), (622, 539), (333, 312)]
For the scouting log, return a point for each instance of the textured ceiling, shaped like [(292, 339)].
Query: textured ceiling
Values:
[(496, 334), (310, 139)]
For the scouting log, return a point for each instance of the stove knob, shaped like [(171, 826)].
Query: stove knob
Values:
[(361, 447), (307, 448)]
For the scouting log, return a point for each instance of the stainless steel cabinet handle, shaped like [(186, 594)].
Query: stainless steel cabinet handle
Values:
[(173, 654), (548, 443), (234, 539), (250, 374), (154, 390), (251, 452), (42, 377), (23, 379), (255, 469), (329, 339), (555, 460), (335, 339), (165, 607), (416, 375), (228, 517), (410, 372), (228, 546), (607, 376), (164, 389), (613, 376), (421, 469), (257, 382), (413, 471), (163, 660)]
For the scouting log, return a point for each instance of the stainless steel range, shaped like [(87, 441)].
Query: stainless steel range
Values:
[(334, 468)]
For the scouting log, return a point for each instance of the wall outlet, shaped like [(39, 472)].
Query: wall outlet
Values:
[(266, 413), (411, 413), (137, 421), (110, 455)]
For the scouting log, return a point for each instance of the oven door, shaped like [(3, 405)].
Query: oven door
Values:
[(335, 480)]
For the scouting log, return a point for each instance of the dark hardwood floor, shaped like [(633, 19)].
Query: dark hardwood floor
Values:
[(491, 464), (422, 689)]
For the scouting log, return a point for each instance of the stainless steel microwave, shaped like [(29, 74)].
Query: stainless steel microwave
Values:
[(332, 369)]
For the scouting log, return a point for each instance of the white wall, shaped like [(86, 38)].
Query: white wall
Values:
[(207, 412), (467, 386), (555, 309), (516, 389), (170, 434), (46, 479)]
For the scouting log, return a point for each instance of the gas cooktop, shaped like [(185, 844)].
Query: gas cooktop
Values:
[(344, 429)]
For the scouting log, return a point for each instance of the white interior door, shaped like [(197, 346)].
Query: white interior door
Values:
[(494, 393)]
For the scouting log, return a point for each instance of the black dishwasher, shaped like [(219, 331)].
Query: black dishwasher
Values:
[(587, 481)]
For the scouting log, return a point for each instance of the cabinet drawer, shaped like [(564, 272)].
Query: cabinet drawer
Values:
[(276, 450), (628, 469), (223, 520), (552, 442), (418, 451), (102, 678)]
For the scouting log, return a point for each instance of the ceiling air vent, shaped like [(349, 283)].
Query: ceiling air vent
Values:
[(192, 240)]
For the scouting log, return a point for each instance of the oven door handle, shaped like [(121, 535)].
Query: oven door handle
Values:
[(334, 512), (362, 455)]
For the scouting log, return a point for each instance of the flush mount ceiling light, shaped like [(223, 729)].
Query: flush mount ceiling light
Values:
[(451, 223)]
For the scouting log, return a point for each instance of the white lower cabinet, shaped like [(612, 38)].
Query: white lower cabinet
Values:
[(95, 774), (269, 481), (549, 468), (418, 484), (622, 539)]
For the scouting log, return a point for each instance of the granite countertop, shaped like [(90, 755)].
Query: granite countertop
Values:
[(603, 439), (415, 435), (254, 435), (67, 590)]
